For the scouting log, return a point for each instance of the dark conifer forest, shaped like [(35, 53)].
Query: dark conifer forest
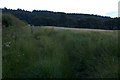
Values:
[(61, 19)]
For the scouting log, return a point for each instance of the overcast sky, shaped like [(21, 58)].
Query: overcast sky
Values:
[(100, 7)]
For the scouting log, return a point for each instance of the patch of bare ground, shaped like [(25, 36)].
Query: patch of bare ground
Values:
[(77, 28)]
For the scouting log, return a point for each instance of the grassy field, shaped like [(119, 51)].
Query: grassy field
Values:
[(42, 52)]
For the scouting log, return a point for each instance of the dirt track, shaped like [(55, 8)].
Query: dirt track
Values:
[(81, 29)]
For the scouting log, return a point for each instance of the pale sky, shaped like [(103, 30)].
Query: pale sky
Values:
[(99, 7)]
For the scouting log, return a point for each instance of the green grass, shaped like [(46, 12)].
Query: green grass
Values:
[(38, 52)]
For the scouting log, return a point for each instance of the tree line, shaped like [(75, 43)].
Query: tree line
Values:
[(61, 19)]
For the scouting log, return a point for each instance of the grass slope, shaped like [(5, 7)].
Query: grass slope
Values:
[(41, 52)]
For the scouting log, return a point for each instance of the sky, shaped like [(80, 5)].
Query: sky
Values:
[(99, 7)]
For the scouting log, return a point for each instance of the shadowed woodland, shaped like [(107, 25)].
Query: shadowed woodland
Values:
[(60, 19)]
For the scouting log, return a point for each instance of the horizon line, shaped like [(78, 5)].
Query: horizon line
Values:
[(60, 12)]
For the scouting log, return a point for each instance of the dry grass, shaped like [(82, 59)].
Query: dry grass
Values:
[(76, 28)]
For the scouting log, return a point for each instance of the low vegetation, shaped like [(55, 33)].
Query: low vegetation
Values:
[(42, 52)]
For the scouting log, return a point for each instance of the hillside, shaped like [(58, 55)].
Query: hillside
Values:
[(49, 52), (61, 19)]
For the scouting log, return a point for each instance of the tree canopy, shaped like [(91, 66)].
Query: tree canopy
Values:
[(61, 19)]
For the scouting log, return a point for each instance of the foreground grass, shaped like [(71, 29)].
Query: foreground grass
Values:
[(38, 52)]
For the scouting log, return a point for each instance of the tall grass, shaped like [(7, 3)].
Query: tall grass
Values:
[(39, 52)]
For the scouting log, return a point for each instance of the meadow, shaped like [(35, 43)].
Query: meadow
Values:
[(50, 52)]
